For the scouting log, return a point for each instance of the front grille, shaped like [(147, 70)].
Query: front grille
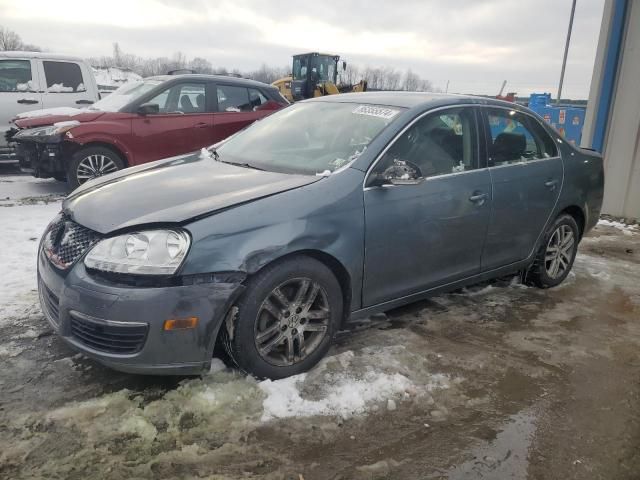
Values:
[(109, 337), (65, 241), (50, 303)]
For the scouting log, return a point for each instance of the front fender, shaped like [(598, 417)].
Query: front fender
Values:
[(326, 216), (118, 134)]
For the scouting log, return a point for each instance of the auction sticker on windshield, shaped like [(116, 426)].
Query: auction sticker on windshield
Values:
[(373, 111)]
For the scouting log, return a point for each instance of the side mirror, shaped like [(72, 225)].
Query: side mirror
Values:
[(148, 109), (400, 172)]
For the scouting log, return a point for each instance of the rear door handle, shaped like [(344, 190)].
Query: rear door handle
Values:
[(84, 102), (28, 101), (478, 198), (201, 125), (551, 184)]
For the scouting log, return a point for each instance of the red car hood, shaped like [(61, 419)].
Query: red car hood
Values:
[(88, 116)]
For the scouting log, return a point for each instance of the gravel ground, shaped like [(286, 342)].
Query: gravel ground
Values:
[(495, 381)]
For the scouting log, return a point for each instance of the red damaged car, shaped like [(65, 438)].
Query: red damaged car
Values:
[(156, 118)]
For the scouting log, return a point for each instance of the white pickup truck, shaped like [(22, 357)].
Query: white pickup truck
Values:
[(35, 81)]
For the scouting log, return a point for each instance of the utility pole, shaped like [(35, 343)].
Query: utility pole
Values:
[(566, 51)]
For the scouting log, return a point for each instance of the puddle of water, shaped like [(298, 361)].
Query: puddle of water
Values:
[(504, 457)]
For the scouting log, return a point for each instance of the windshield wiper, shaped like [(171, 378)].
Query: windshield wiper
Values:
[(216, 157), (244, 165)]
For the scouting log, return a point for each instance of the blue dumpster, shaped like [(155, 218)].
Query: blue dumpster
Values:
[(568, 120)]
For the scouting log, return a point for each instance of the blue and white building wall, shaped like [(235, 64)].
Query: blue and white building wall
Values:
[(612, 123)]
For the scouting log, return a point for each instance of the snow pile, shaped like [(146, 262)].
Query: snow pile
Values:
[(345, 395), (23, 226), (623, 227), (51, 111), (113, 76), (351, 384)]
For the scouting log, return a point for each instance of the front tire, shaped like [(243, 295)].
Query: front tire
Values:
[(556, 254), (92, 162), (286, 320)]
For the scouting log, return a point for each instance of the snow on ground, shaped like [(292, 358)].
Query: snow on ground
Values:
[(435, 374), (27, 189), (623, 227), (346, 390), (22, 227)]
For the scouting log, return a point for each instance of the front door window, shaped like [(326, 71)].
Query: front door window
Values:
[(441, 143)]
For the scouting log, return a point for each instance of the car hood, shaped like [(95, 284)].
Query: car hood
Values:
[(45, 118), (172, 191)]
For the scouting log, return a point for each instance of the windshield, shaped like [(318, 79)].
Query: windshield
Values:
[(308, 138), (123, 95), (323, 66)]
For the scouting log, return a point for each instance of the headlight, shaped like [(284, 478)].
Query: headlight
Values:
[(51, 130), (148, 252)]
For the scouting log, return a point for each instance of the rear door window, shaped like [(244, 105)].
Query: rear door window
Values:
[(516, 137), (15, 76), (63, 77), (233, 99)]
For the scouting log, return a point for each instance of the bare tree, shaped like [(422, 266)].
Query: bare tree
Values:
[(350, 75), (201, 65), (9, 40), (411, 81), (268, 74)]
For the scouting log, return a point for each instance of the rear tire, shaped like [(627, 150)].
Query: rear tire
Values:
[(92, 162), (556, 254), (286, 319)]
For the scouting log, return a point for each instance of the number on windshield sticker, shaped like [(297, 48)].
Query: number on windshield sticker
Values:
[(381, 112)]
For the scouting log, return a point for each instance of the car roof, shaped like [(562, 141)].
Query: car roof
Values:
[(411, 99), (41, 55), (217, 78)]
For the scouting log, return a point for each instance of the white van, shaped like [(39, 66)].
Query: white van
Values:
[(35, 81)]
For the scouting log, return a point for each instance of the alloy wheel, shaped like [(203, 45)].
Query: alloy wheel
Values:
[(94, 166), (292, 322), (559, 251)]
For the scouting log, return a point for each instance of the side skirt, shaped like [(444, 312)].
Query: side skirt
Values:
[(414, 297)]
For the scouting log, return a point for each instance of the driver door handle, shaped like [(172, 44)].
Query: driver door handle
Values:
[(28, 101), (478, 198), (551, 184), (201, 125)]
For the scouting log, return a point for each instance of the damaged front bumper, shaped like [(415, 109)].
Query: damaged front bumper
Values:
[(41, 159), (122, 326)]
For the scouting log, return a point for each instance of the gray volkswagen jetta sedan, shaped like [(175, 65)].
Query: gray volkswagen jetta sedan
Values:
[(331, 209)]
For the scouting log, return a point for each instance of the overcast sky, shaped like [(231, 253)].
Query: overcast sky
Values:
[(475, 44)]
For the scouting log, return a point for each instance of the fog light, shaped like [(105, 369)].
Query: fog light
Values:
[(180, 323)]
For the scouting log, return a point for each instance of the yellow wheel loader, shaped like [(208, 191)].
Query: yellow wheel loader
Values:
[(315, 75)]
